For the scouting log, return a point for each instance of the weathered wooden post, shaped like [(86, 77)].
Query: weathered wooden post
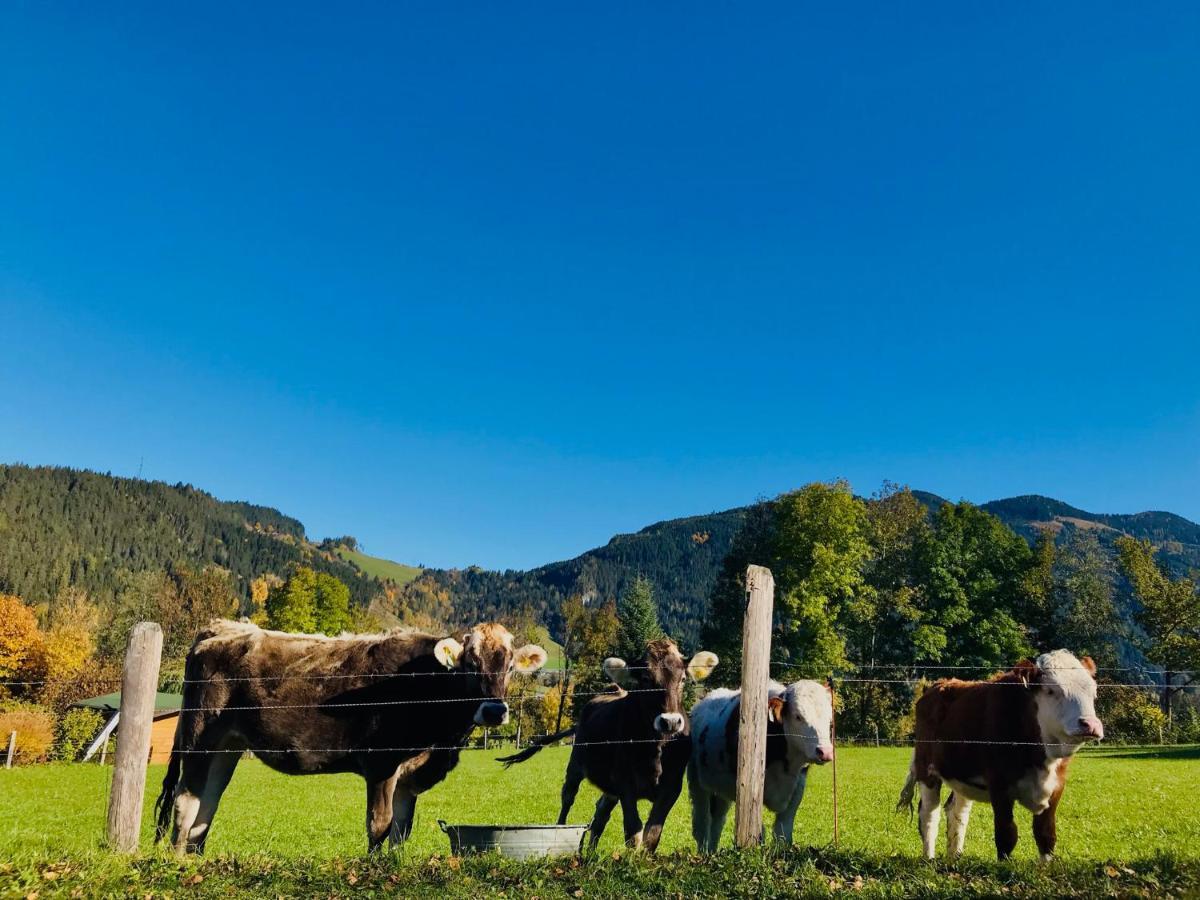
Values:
[(752, 722), (12, 749), (139, 684)]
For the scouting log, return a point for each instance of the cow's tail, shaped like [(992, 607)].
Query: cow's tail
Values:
[(165, 804), (906, 793), (534, 748)]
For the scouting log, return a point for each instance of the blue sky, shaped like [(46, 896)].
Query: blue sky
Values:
[(489, 283)]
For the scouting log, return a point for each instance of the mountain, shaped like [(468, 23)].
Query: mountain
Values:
[(683, 556), (63, 527)]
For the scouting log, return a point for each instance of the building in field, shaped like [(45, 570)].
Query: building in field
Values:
[(162, 732)]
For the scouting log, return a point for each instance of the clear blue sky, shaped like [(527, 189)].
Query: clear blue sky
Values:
[(489, 283)]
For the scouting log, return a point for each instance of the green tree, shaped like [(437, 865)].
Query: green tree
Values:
[(1170, 616), (331, 605), (638, 619), (1084, 617), (820, 552), (292, 606), (815, 541), (973, 572)]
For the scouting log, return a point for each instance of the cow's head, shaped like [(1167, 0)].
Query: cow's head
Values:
[(805, 712), (486, 652), (655, 679), (1065, 693)]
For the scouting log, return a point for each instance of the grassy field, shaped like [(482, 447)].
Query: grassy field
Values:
[(1129, 818), (378, 567)]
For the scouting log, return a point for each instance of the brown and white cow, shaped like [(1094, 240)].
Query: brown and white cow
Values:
[(1003, 741), (649, 729), (308, 704)]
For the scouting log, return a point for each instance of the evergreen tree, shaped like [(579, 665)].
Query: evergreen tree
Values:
[(639, 619)]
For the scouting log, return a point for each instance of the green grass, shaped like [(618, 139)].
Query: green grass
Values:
[(380, 568), (1128, 818)]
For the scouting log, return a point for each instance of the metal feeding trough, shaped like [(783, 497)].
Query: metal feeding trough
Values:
[(516, 841)]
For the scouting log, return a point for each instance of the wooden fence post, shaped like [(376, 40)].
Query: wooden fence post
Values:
[(752, 721), (12, 749), (139, 685)]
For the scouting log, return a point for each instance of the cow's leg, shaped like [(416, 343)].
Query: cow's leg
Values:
[(570, 788), (785, 819), (718, 810), (1004, 826), (670, 785), (379, 810), (631, 818), (604, 807), (929, 813), (701, 809), (220, 771), (958, 811), (404, 809), (193, 779), (1044, 830)]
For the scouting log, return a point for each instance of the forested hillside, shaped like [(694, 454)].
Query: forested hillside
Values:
[(680, 556), (64, 528)]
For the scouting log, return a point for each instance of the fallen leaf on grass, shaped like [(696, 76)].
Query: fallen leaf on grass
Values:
[(1111, 871)]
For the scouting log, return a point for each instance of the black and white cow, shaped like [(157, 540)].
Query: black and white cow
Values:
[(800, 717)]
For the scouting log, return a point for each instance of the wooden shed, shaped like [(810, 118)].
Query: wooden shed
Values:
[(162, 731)]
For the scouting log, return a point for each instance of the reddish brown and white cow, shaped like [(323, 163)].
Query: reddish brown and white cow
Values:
[(634, 744), (1003, 741)]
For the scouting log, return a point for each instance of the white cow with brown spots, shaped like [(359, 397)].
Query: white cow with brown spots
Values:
[(799, 723)]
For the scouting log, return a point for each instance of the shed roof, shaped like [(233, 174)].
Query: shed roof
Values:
[(164, 704)]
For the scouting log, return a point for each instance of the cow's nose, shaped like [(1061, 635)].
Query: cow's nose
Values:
[(668, 723), (1092, 727), (824, 754), (491, 713)]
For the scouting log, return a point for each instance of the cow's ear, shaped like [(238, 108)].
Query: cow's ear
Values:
[(775, 709), (617, 671), (702, 665), (1028, 672), (529, 658), (1090, 664), (448, 651)]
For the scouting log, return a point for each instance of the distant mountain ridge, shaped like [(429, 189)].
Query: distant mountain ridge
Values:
[(62, 527), (683, 556)]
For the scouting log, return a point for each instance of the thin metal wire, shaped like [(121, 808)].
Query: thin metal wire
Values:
[(511, 701)]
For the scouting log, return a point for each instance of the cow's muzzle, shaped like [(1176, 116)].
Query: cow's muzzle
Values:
[(491, 713), (1090, 728), (669, 723), (824, 754)]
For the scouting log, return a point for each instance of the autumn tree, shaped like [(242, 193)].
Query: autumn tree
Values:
[(20, 637), (1169, 616), (591, 632)]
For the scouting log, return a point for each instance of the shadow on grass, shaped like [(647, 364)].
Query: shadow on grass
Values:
[(1182, 751)]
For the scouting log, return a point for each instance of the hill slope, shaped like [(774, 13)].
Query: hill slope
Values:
[(682, 558), (62, 527)]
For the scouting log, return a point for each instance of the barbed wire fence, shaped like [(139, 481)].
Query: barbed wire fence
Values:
[(910, 676)]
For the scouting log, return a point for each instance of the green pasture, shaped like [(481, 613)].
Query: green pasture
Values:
[(378, 567), (1122, 807)]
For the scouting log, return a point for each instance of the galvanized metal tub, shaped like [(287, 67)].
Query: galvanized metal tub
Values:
[(516, 841)]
